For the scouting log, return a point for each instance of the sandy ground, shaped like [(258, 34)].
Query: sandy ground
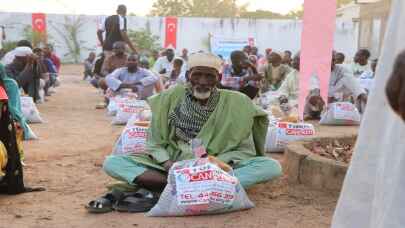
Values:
[(67, 161)]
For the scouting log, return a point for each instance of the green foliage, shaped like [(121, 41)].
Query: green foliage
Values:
[(197, 8), (9, 45), (144, 40), (220, 8), (69, 32), (35, 37)]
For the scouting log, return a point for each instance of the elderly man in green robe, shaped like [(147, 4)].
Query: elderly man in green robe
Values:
[(231, 127)]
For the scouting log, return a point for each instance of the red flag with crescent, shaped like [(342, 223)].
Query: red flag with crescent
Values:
[(39, 22), (171, 32)]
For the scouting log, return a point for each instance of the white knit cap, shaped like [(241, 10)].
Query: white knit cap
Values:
[(204, 60), (22, 51)]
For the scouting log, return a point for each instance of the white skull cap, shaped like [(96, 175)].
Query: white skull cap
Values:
[(22, 51), (204, 60)]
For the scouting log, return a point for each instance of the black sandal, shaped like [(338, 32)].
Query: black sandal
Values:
[(138, 202), (103, 204)]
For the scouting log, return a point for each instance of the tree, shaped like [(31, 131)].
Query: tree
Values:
[(70, 31), (197, 8), (144, 40)]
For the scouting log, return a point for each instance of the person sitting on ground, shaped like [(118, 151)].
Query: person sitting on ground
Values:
[(367, 78), (8, 58), (343, 86), (255, 52), (49, 70), (11, 171), (97, 71), (361, 63), (164, 65), (340, 58), (177, 75), (274, 72), (241, 75), (247, 49), (290, 89), (49, 53), (184, 54), (139, 80), (14, 102), (287, 58), (27, 70), (89, 65), (116, 61), (231, 127)]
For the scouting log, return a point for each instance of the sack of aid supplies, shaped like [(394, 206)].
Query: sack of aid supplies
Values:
[(199, 187), (341, 113), (281, 133), (30, 111), (132, 141), (126, 110)]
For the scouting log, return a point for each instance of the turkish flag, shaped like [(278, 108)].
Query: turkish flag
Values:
[(39, 22), (171, 32)]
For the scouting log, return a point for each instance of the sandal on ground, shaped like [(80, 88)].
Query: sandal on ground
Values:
[(138, 202), (103, 204), (38, 189)]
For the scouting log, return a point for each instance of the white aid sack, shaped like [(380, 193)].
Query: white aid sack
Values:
[(342, 114), (127, 110), (198, 187), (132, 141), (281, 133), (30, 111)]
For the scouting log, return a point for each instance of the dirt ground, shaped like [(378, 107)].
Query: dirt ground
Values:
[(67, 161)]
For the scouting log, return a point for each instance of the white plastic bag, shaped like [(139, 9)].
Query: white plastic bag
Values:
[(281, 133), (341, 113), (132, 141), (127, 110), (30, 110), (198, 187)]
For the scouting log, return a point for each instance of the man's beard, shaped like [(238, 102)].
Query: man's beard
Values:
[(201, 94)]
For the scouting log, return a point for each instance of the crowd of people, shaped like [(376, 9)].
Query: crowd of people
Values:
[(198, 95), (24, 71)]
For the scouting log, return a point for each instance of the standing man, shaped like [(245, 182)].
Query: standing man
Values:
[(115, 28)]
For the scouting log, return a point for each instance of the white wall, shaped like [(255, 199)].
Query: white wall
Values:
[(193, 33)]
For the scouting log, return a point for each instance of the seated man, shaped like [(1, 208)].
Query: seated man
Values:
[(177, 75), (274, 72), (117, 60), (361, 63), (343, 86), (241, 75), (231, 127), (27, 70), (289, 92), (89, 65), (139, 80)]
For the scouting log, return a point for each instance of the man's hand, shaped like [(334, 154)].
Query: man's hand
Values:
[(163, 71), (362, 101), (395, 88), (167, 165)]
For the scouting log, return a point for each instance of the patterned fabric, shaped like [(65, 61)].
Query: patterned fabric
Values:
[(233, 80), (189, 116)]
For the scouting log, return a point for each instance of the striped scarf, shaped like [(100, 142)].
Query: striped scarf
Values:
[(189, 116)]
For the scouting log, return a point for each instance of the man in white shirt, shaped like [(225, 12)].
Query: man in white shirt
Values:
[(361, 63), (132, 77), (164, 65)]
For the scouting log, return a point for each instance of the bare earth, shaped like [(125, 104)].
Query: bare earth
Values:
[(67, 161)]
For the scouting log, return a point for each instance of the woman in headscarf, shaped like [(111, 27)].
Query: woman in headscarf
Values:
[(14, 103)]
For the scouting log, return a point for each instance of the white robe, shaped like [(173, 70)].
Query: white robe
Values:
[(373, 194)]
